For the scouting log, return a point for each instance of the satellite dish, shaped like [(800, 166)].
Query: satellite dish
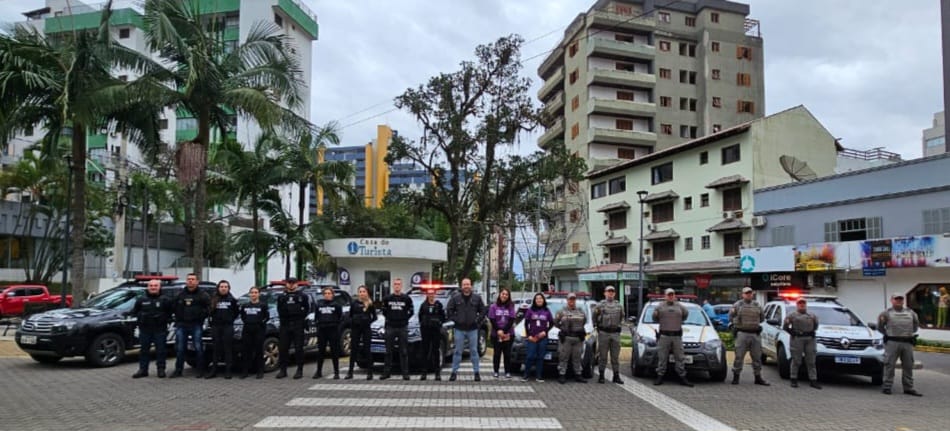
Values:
[(797, 169)]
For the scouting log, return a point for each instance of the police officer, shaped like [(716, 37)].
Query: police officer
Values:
[(746, 316), (224, 309), (670, 315), (329, 320), (397, 309), (255, 315), (899, 324), (608, 315), (431, 318), (801, 325), (362, 315), (152, 311), (570, 322), (292, 308), (191, 309)]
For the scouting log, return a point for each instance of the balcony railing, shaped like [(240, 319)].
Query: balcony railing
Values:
[(622, 49), (621, 77)]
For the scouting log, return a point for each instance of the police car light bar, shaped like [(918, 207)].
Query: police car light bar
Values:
[(145, 277)]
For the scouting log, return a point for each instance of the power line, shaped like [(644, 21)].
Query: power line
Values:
[(368, 118)]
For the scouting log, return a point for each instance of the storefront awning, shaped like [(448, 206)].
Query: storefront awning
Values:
[(661, 235), (709, 267), (728, 225), (727, 181), (616, 206), (617, 240), (656, 198)]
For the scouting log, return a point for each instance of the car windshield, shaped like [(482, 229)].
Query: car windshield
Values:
[(832, 315), (721, 309), (115, 299), (696, 316)]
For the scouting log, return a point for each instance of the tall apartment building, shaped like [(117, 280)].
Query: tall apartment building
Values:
[(631, 77), (934, 139)]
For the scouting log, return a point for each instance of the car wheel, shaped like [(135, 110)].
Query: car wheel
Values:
[(44, 359), (271, 353), (587, 365), (106, 350), (637, 369), (346, 343), (719, 374), (482, 342), (784, 365)]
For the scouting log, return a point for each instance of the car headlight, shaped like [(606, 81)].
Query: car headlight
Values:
[(713, 344), (414, 332), (648, 341), (63, 327), (878, 343), (381, 330)]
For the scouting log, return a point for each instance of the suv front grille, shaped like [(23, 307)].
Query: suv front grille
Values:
[(38, 327), (835, 343), (692, 345)]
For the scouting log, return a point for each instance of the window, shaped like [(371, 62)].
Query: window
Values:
[(186, 124), (687, 77), (598, 190), (665, 73), (857, 229), (124, 78), (575, 130), (623, 37), (715, 74), (618, 254), (731, 243), (731, 154), (783, 235), (688, 244), (717, 102), (624, 124), (623, 9), (690, 21), (703, 157), (714, 47), (687, 131), (743, 80), (617, 220), (627, 67), (939, 141), (666, 101), (575, 216), (936, 221), (575, 247), (664, 45), (687, 104), (704, 200), (714, 17), (662, 212), (28, 131), (625, 95), (666, 129), (278, 20), (687, 203), (746, 106), (573, 77), (732, 199), (617, 185), (575, 103), (124, 33), (743, 52), (704, 242), (626, 153), (663, 17), (163, 124), (572, 50), (716, 127), (687, 49), (663, 251), (662, 173)]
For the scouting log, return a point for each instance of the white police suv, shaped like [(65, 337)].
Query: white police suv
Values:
[(845, 343)]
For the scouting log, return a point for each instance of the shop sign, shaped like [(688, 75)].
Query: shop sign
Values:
[(370, 247), (703, 280), (875, 257), (344, 277), (774, 281), (767, 259)]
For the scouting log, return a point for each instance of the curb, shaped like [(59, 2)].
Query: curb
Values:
[(932, 349)]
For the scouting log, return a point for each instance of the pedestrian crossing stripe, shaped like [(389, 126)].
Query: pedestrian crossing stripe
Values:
[(408, 422), (416, 403), (423, 388)]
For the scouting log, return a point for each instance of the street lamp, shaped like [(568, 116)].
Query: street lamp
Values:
[(640, 195), (69, 187)]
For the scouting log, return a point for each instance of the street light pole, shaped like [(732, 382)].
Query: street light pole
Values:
[(69, 189), (640, 195)]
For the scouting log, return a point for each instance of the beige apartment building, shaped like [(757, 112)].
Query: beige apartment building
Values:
[(934, 140), (633, 77)]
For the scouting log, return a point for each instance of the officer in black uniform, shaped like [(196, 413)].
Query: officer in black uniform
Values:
[(191, 309), (292, 308), (329, 320), (224, 309), (255, 315), (397, 308), (152, 311), (431, 318), (362, 315)]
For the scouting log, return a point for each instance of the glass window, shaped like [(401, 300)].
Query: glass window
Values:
[(732, 199), (936, 142), (662, 173), (688, 203), (696, 316), (617, 220), (730, 154), (598, 190), (662, 212), (663, 251), (703, 158), (704, 200), (936, 221), (688, 244), (704, 242), (731, 243), (618, 185), (925, 300)]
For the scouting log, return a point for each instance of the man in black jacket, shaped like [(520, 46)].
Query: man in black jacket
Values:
[(292, 308), (467, 310), (397, 309), (191, 309), (152, 311)]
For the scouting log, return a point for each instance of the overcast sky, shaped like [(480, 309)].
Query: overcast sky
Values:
[(869, 70)]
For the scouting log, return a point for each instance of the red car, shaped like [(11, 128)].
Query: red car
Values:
[(13, 299)]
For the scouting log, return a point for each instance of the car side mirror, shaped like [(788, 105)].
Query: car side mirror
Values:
[(873, 326), (773, 322), (632, 319)]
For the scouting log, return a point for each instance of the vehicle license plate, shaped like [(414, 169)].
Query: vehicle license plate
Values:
[(377, 348), (27, 339), (847, 360), (547, 356), (687, 359)]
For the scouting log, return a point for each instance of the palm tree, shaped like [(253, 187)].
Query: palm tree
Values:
[(65, 85), (259, 80)]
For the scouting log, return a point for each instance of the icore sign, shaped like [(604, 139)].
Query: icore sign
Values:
[(369, 248)]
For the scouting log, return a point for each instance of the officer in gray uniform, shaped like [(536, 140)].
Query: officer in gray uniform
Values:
[(670, 315), (899, 324), (570, 322), (608, 315), (746, 316), (801, 325)]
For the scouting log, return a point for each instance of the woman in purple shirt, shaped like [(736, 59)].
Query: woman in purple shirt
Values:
[(538, 320), (502, 317)]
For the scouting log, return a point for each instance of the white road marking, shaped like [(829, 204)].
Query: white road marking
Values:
[(416, 403), (419, 422), (444, 387), (689, 416)]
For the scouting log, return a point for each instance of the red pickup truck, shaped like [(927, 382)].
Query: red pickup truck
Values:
[(13, 299)]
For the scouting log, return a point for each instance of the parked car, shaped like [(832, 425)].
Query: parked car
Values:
[(557, 301), (845, 343), (721, 317), (99, 331), (18, 298), (703, 349)]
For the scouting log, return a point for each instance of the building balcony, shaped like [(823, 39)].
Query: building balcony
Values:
[(554, 132), (618, 136), (622, 22), (621, 77), (555, 82), (621, 107), (550, 62), (616, 48), (554, 108), (571, 261)]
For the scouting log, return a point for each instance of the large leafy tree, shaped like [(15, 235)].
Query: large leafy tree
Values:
[(64, 84), (469, 119), (259, 79)]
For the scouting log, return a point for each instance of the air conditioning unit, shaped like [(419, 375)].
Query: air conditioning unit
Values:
[(758, 221), (727, 214), (737, 214), (606, 221)]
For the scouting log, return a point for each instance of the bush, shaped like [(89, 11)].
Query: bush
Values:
[(728, 340)]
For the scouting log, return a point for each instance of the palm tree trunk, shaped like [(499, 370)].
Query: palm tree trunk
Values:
[(258, 280), (201, 191), (77, 208), (301, 206)]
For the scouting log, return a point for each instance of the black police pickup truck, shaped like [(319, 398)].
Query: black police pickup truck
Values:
[(99, 330)]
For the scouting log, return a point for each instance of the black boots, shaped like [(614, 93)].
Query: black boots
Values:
[(735, 378), (617, 379), (282, 373), (658, 381), (161, 373), (140, 373), (685, 382), (794, 383), (761, 382), (601, 379), (299, 373)]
